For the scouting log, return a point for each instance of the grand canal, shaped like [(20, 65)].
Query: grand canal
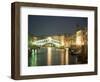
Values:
[(58, 50), (48, 56)]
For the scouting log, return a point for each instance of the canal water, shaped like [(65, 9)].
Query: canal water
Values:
[(46, 56)]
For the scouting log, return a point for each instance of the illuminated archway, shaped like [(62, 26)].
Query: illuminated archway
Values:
[(48, 40)]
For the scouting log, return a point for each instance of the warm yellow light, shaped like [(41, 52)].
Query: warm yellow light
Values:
[(49, 38), (79, 38), (62, 43), (78, 41), (49, 56)]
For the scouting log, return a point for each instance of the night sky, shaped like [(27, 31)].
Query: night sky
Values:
[(53, 25)]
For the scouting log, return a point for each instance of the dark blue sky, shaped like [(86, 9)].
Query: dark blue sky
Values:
[(53, 25)]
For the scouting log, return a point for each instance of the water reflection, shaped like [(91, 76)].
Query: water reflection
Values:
[(48, 56), (58, 49)]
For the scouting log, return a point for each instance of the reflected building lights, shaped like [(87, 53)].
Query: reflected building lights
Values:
[(61, 42), (49, 56)]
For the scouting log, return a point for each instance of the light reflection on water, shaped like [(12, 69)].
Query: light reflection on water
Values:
[(48, 56)]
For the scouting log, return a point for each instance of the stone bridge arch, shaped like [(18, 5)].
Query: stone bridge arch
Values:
[(49, 40)]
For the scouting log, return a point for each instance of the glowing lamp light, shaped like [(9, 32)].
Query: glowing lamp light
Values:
[(78, 41), (62, 43), (49, 38)]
